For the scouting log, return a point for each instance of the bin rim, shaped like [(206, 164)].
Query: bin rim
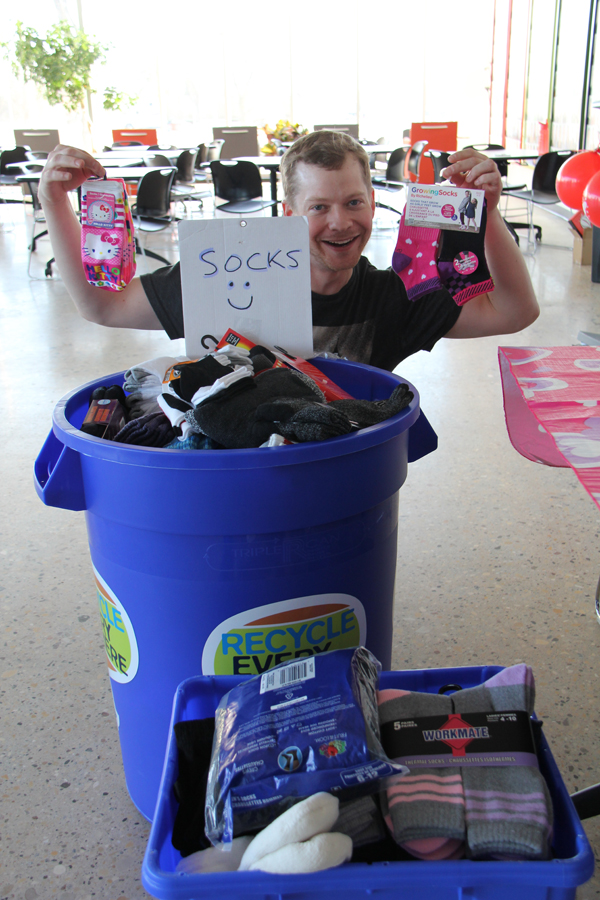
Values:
[(247, 458)]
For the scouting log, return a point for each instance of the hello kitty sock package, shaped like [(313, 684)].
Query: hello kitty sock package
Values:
[(107, 242)]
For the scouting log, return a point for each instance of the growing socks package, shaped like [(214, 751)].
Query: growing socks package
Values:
[(107, 239), (427, 259)]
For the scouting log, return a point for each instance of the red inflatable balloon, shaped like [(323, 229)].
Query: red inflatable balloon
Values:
[(591, 200), (573, 176)]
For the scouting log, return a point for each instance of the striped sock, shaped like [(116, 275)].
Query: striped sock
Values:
[(508, 808), (425, 811)]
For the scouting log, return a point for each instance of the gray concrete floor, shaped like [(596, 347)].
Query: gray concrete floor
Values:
[(497, 563)]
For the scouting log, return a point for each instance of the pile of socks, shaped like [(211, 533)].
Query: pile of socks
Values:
[(482, 812), (235, 398), (299, 840), (427, 259)]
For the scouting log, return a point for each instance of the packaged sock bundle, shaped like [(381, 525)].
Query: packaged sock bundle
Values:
[(473, 771), (107, 241), (303, 727)]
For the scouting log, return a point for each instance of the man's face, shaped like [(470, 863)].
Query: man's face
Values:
[(340, 213)]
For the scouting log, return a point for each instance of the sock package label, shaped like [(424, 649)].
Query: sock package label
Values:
[(303, 727), (473, 739), (444, 206)]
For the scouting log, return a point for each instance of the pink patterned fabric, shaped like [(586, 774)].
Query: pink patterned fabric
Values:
[(552, 407)]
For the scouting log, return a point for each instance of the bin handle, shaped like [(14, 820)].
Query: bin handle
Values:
[(422, 439), (57, 475)]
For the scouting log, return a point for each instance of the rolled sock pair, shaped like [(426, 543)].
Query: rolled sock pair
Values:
[(229, 418), (307, 420), (300, 840), (506, 810), (144, 381), (196, 380), (361, 820), (152, 430)]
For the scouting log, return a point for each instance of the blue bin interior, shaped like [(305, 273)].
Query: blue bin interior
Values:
[(572, 863)]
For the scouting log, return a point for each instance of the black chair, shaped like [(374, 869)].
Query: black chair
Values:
[(37, 218), (543, 190), (185, 178), (8, 177), (239, 183), (394, 179), (439, 160), (152, 210), (199, 171), (414, 159), (213, 152)]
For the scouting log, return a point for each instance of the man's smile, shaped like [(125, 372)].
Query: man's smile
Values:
[(339, 244)]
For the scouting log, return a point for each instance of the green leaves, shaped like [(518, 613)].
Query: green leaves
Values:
[(59, 62), (114, 99)]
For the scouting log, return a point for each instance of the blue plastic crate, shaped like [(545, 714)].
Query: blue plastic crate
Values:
[(557, 879)]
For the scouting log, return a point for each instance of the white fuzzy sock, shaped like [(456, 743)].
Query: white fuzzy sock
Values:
[(323, 851), (310, 817)]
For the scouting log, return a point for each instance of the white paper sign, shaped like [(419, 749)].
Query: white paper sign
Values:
[(252, 275), (444, 206)]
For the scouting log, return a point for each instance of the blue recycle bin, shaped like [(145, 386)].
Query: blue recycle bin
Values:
[(228, 562)]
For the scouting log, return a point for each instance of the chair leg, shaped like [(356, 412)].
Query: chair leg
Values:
[(141, 249)]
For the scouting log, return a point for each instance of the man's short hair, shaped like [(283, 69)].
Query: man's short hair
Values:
[(328, 149)]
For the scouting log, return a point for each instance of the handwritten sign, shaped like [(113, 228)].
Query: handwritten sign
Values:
[(444, 206), (252, 275)]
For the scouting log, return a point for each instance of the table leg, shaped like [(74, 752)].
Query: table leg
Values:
[(595, 254), (273, 174)]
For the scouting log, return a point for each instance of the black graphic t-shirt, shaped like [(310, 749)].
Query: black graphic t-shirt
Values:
[(371, 320)]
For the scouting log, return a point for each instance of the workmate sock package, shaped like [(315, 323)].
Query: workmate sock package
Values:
[(487, 799), (306, 726), (107, 241)]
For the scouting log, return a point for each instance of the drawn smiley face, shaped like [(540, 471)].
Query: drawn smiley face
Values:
[(241, 302)]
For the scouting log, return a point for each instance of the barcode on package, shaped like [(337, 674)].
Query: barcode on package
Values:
[(287, 675)]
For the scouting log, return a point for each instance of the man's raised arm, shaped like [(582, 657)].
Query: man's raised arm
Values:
[(512, 305), (66, 169)]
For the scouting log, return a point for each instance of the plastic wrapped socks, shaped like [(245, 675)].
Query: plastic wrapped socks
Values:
[(461, 263), (413, 259), (508, 809), (428, 803), (107, 242)]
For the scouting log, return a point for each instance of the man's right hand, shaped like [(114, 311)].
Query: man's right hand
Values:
[(66, 169)]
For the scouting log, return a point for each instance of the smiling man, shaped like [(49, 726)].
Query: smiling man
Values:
[(364, 313), (359, 312)]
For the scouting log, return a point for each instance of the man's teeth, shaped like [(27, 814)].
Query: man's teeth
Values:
[(340, 243)]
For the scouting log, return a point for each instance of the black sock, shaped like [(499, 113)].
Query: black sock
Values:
[(462, 264)]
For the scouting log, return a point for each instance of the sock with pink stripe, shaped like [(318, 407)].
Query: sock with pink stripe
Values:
[(508, 808), (424, 810)]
